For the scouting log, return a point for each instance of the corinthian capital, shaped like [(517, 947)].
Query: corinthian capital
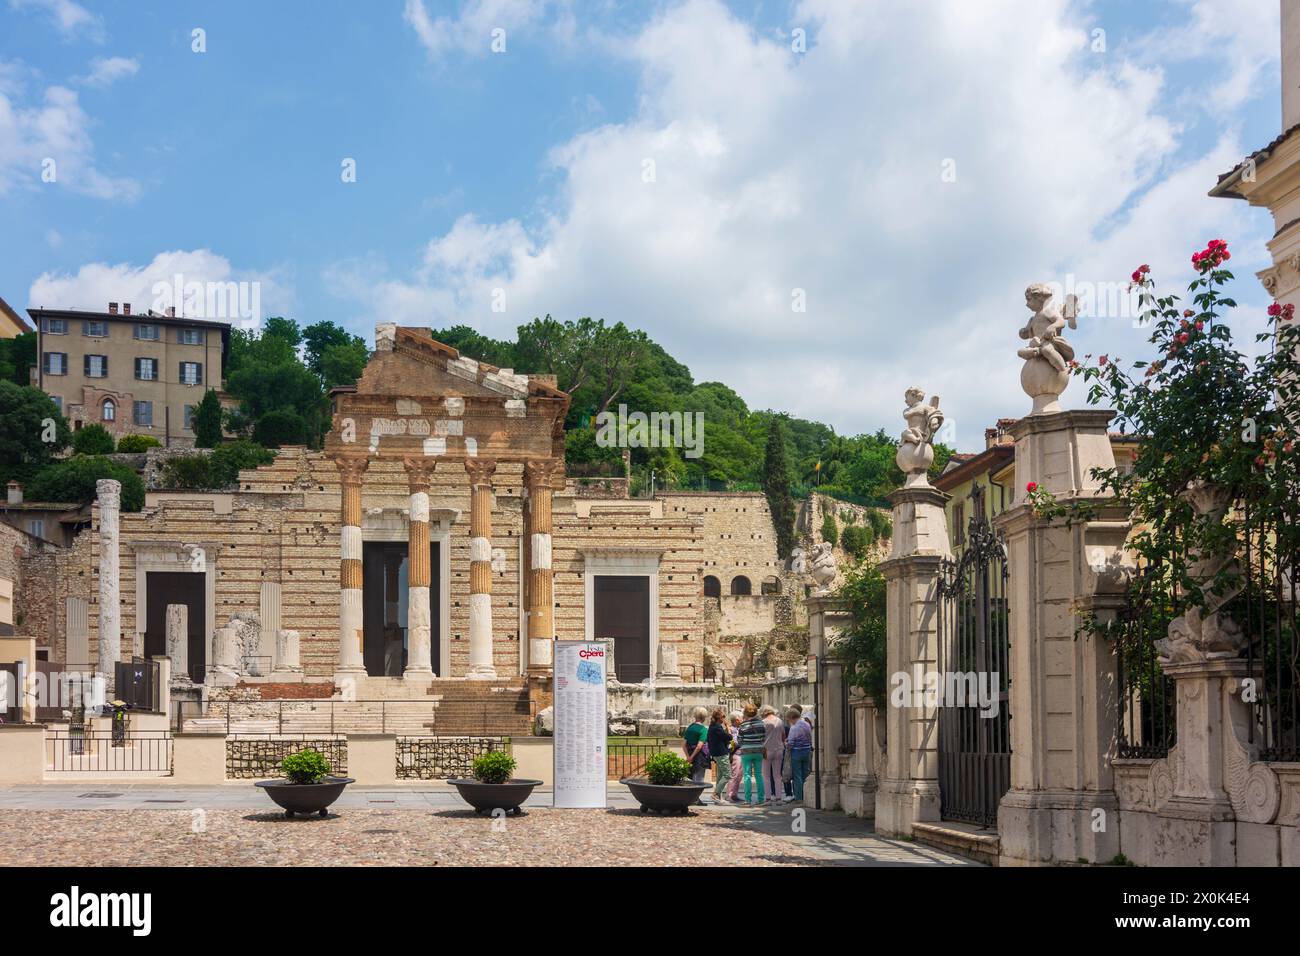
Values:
[(419, 472), (351, 468), (545, 473), (480, 471)]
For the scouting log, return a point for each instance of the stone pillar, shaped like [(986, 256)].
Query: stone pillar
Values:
[(667, 671), (351, 623), (541, 586), (826, 617), (1061, 805), (909, 792), (178, 640), (480, 471), (109, 493), (286, 652), (419, 631)]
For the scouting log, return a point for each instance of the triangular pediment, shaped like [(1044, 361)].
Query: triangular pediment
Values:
[(419, 396)]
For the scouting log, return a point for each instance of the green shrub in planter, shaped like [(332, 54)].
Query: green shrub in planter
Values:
[(667, 768), (496, 766), (305, 766)]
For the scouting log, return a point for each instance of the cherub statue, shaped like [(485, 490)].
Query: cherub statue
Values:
[(915, 451), (823, 568), (1044, 326), (922, 420)]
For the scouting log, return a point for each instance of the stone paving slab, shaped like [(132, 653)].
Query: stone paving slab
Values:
[(233, 825)]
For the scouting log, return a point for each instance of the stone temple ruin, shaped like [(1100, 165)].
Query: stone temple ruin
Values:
[(421, 565)]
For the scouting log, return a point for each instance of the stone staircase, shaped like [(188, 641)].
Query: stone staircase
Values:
[(489, 708)]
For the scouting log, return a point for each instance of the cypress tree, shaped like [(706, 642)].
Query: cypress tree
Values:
[(776, 485)]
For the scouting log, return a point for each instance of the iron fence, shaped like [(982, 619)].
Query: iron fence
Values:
[(974, 661), (442, 758), (1268, 611), (626, 758), (135, 751), (848, 726), (331, 716), (1148, 721)]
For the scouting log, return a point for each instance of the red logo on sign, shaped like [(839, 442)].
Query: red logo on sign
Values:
[(586, 653)]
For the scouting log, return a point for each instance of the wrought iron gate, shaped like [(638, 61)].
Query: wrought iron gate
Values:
[(974, 670)]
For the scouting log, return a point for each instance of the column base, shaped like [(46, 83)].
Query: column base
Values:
[(894, 802), (417, 672), (1042, 827), (482, 672), (925, 801)]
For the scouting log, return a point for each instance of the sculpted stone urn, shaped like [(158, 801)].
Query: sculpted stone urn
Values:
[(1044, 384)]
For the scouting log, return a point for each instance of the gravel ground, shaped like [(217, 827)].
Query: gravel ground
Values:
[(232, 837)]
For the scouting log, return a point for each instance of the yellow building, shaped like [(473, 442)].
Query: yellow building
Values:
[(994, 470), (11, 323)]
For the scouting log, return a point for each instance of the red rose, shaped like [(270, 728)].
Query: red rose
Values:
[(1032, 486), (1102, 360), (1275, 310), (1183, 337), (1188, 313), (1200, 326)]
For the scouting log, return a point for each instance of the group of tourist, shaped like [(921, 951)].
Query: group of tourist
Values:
[(771, 755)]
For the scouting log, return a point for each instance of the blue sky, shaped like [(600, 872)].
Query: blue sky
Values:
[(523, 171)]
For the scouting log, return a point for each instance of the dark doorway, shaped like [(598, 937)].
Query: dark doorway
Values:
[(176, 587), (385, 601), (622, 611)]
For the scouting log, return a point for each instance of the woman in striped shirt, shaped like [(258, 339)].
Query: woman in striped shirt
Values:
[(752, 736)]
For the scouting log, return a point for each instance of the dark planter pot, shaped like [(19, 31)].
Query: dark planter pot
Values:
[(486, 797), (305, 797), (665, 798)]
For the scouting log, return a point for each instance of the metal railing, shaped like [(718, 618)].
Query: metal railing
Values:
[(136, 751), (332, 716), (627, 758), (1268, 612)]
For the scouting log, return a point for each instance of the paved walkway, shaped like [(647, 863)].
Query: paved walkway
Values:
[(142, 823)]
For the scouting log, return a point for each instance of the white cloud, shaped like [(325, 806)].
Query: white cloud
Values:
[(96, 284), (105, 71), (1241, 35), (69, 18), (822, 173), (48, 144), (470, 31)]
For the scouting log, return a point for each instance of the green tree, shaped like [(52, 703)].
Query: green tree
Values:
[(74, 480), (268, 375), (830, 530), (32, 432), (776, 485), (93, 439), (17, 358), (856, 541), (343, 363), (280, 426), (135, 444), (861, 646), (207, 421), (286, 330), (319, 337)]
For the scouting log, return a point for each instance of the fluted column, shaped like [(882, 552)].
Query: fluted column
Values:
[(541, 476), (419, 633), (480, 472), (109, 493), (351, 617)]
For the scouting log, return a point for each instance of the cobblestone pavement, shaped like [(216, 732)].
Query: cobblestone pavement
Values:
[(137, 825)]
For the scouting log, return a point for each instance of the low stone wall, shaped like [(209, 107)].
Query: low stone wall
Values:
[(258, 758), (441, 758), (1151, 834)]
